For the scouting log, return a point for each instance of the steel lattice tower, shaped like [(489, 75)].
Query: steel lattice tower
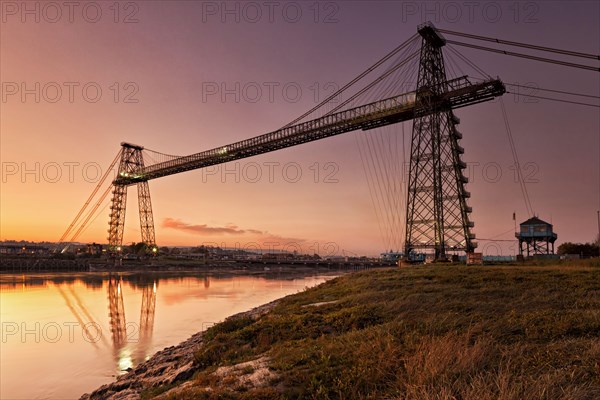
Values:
[(132, 161), (437, 215)]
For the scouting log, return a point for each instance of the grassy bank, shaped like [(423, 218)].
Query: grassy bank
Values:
[(433, 332)]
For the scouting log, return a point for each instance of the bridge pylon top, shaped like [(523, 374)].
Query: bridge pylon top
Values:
[(430, 33), (132, 146)]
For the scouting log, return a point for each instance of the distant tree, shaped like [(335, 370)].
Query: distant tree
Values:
[(164, 250), (137, 248), (199, 249), (567, 248), (582, 249)]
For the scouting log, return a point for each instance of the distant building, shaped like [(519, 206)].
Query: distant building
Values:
[(392, 256), (277, 256), (23, 249), (94, 248), (537, 236)]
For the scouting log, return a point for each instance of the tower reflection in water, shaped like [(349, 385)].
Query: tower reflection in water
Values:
[(124, 333), (130, 340)]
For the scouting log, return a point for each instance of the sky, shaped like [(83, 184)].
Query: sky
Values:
[(180, 77)]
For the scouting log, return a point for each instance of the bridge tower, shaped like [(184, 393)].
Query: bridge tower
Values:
[(132, 161), (437, 215)]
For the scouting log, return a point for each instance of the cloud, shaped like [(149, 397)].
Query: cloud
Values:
[(228, 229), (264, 237)]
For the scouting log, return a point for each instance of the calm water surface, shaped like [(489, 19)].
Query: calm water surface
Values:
[(66, 334)]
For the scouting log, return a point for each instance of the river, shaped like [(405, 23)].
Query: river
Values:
[(64, 334)]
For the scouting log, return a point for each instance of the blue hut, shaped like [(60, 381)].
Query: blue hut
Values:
[(537, 236)]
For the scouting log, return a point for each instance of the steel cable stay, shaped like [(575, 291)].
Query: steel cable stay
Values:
[(380, 144), (552, 90), (403, 187), (377, 184), (390, 163), (384, 181), (332, 100), (381, 166), (394, 77), (157, 157), (372, 156), (398, 163), (368, 92), (392, 149), (84, 224), (385, 150), (515, 156), (375, 148), (89, 199), (484, 75), (362, 91), (383, 83), (372, 87), (95, 217), (495, 237), (533, 88), (395, 162), (367, 171), (371, 167), (354, 81), (526, 56), (524, 45), (373, 164), (554, 99)]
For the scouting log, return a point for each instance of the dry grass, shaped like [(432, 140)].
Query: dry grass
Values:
[(434, 332)]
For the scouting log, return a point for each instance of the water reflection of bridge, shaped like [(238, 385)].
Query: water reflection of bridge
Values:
[(122, 332)]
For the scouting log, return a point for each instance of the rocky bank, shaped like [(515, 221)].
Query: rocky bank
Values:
[(171, 366)]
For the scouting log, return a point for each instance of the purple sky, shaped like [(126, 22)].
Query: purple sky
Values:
[(171, 52)]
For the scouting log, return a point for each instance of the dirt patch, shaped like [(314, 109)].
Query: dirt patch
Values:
[(250, 374)]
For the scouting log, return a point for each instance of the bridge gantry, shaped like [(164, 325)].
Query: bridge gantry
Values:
[(437, 215)]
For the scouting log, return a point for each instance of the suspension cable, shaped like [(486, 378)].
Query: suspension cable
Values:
[(352, 82), (91, 213), (377, 150), (516, 160), (376, 81), (532, 87), (553, 99), (553, 90), (530, 57), (549, 90), (86, 204), (525, 45), (469, 62)]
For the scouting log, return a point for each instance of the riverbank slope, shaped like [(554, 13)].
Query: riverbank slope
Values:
[(423, 332)]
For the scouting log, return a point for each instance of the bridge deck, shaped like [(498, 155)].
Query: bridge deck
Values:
[(460, 92)]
